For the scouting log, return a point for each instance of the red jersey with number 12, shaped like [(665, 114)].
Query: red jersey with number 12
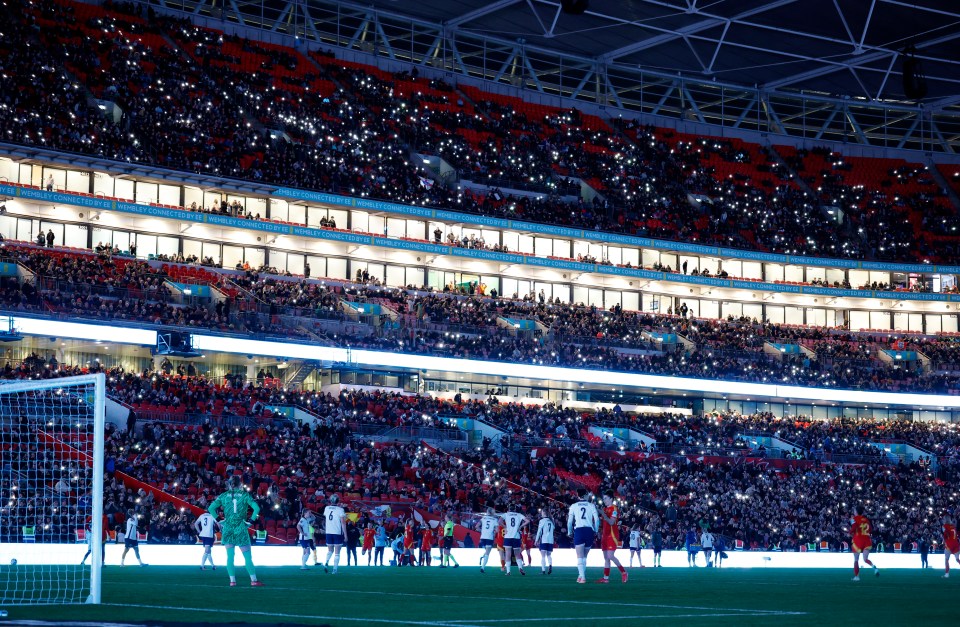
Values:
[(860, 527)]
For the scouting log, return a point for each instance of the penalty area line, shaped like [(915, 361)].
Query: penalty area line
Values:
[(661, 606), (389, 621), (496, 621)]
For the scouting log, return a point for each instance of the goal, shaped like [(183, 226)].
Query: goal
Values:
[(51, 485)]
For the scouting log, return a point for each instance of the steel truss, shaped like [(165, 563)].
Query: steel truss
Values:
[(606, 81)]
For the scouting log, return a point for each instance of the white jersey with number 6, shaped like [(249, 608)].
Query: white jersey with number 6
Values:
[(545, 531), (206, 525), (583, 514), (513, 522), (488, 527), (333, 519)]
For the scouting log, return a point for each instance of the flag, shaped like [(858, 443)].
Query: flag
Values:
[(425, 182)]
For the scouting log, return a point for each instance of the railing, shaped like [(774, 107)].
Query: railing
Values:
[(160, 294), (425, 433)]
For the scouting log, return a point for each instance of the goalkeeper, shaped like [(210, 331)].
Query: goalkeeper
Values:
[(235, 503)]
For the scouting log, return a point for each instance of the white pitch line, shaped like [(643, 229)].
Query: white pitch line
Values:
[(284, 615), (744, 611), (594, 618)]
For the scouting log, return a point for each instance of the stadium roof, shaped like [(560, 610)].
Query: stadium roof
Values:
[(837, 47), (816, 69)]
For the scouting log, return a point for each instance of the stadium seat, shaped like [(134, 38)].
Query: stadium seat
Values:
[(29, 534), (81, 535), (261, 536), (738, 545), (897, 547)]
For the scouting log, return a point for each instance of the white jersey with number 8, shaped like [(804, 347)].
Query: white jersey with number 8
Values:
[(513, 522)]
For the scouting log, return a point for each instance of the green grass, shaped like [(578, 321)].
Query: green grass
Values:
[(464, 597)]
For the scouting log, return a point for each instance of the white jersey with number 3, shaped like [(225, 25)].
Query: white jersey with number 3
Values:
[(333, 520), (488, 527), (512, 523), (206, 525), (583, 514), (545, 531)]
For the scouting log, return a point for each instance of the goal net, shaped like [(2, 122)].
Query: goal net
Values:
[(51, 490)]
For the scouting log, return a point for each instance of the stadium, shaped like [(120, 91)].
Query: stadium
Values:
[(653, 302)]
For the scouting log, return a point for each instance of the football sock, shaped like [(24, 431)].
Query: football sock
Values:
[(543, 561), (582, 567), (230, 568), (452, 559), (336, 561), (484, 560), (248, 564), (620, 567), (303, 560), (606, 573), (856, 570)]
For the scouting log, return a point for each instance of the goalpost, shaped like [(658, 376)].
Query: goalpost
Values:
[(51, 486)]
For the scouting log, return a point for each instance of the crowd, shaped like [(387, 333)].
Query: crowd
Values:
[(290, 466), (221, 105), (481, 326)]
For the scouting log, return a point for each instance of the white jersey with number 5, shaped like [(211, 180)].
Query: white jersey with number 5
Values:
[(333, 519), (488, 527), (545, 531), (512, 523), (583, 514), (206, 525)]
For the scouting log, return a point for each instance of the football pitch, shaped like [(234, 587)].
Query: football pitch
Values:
[(464, 597)]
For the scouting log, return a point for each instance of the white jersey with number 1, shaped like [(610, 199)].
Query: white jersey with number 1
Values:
[(488, 527), (583, 514), (512, 524), (333, 518), (545, 531)]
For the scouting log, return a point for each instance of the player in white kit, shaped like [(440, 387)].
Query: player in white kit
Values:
[(131, 539), (305, 537), (335, 523), (488, 530), (513, 524), (544, 542), (206, 526), (636, 544), (582, 524)]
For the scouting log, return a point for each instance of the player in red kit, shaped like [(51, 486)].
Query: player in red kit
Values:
[(426, 544), (526, 543), (860, 530), (498, 542), (368, 536), (409, 543), (610, 538), (951, 545)]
